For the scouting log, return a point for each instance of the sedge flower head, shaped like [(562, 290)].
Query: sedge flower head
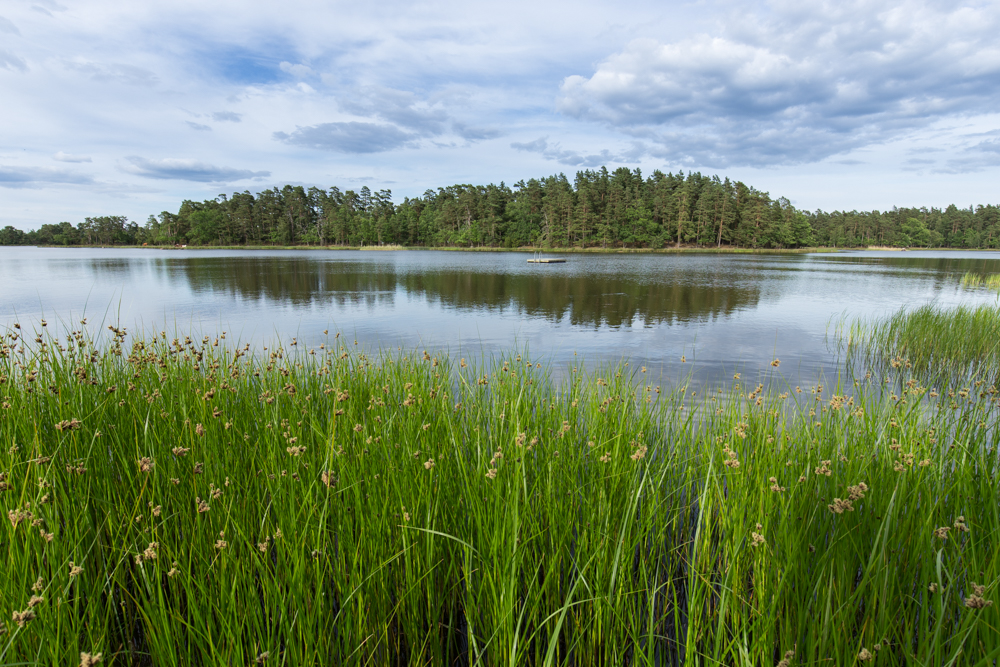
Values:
[(22, 618), (90, 659), (976, 600), (787, 660)]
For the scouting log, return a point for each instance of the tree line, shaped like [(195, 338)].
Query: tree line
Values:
[(598, 209)]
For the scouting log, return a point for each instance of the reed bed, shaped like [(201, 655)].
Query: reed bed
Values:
[(948, 346), (178, 501), (978, 280)]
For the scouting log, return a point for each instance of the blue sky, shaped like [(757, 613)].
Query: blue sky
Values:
[(128, 108)]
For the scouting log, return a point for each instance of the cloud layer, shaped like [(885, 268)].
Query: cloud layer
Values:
[(37, 177), (131, 108), (187, 170), (797, 85), (351, 137)]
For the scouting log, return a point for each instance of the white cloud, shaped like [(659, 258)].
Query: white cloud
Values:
[(114, 72), (400, 107), (66, 157), (227, 116), (575, 158), (8, 27), (9, 61), (796, 84), (297, 70), (187, 170), (349, 137), (36, 177)]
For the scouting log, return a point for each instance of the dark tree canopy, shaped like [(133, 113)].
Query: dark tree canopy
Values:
[(598, 209)]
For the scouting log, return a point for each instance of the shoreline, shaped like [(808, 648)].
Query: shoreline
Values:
[(725, 250)]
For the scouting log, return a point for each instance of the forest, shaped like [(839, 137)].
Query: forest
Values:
[(604, 209)]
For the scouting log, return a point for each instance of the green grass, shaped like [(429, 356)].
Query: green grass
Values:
[(410, 509), (948, 346), (977, 280)]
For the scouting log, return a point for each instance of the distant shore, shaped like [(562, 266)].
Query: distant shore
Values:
[(532, 249), (723, 250)]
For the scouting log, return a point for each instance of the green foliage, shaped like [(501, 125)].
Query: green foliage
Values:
[(914, 232), (324, 506), (977, 227), (599, 209), (939, 344), (11, 236)]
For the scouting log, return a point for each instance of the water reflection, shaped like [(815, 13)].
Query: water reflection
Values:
[(581, 298), (294, 281)]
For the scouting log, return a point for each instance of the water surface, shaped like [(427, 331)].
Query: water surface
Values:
[(721, 313)]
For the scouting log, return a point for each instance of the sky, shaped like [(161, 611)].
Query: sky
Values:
[(112, 108)]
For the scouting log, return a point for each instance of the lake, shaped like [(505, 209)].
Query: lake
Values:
[(721, 313)]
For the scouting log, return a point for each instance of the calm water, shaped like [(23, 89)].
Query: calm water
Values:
[(724, 313)]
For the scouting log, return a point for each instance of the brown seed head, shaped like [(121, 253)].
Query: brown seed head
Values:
[(824, 468), (23, 617), (977, 602), (69, 425), (89, 660), (840, 506), (857, 492)]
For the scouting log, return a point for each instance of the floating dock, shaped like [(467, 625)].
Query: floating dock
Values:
[(546, 260)]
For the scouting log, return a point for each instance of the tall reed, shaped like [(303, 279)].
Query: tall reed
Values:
[(178, 501), (977, 280), (941, 345)]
